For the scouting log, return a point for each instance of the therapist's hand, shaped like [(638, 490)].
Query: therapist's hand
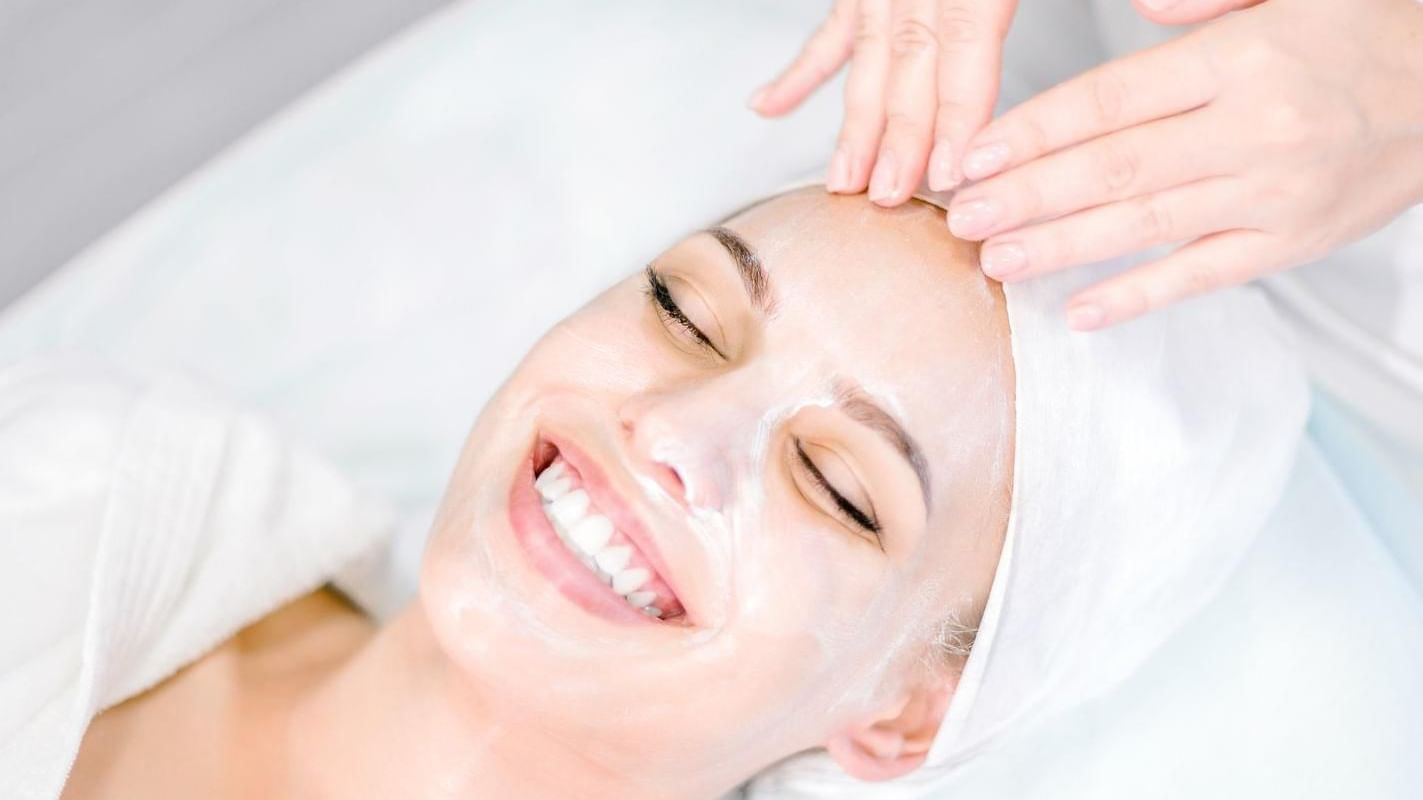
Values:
[(923, 79), (1262, 140)]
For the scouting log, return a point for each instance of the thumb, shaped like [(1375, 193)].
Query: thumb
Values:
[(1186, 12)]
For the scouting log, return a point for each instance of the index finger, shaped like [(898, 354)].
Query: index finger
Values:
[(1167, 79)]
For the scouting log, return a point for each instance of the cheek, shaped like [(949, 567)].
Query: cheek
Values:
[(608, 345), (814, 610)]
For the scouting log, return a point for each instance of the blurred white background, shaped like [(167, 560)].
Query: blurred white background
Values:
[(106, 103)]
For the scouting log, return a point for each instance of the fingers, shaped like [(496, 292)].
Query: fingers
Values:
[(864, 99), (1116, 229), (1136, 161), (909, 103), (1165, 80), (822, 56), (970, 36), (1185, 12), (1205, 265)]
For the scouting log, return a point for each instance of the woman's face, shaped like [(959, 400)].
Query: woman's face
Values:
[(792, 438)]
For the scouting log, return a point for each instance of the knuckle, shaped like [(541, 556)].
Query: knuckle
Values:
[(1199, 277), (1304, 195), (865, 39), (912, 38), (959, 24), (863, 122), (867, 30), (951, 110), (951, 126), (1109, 97), (1254, 55), (1118, 167), (1286, 123), (1034, 136), (901, 122), (955, 121), (1137, 298), (1025, 199), (845, 143), (1274, 194), (1153, 221)]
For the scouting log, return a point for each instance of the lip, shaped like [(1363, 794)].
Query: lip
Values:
[(549, 555)]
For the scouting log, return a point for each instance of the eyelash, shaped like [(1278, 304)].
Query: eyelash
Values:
[(667, 308), (847, 509)]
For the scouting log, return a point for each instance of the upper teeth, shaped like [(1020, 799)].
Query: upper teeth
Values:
[(588, 533)]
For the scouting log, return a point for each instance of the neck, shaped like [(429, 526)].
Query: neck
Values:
[(397, 720)]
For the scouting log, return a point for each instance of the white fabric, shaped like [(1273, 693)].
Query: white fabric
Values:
[(368, 266), (140, 525), (1148, 457), (1358, 310)]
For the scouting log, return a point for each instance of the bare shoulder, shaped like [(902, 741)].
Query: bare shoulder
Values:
[(177, 739)]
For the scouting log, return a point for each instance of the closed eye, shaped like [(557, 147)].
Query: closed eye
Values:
[(848, 511), (670, 312)]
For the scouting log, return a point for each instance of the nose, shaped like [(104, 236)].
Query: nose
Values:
[(654, 446), (663, 473), (681, 439)]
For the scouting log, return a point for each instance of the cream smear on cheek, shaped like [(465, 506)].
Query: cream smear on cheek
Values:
[(787, 591)]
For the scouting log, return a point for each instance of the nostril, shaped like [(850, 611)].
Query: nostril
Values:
[(671, 481)]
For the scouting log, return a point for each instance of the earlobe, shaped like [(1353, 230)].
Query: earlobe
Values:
[(896, 741), (867, 762)]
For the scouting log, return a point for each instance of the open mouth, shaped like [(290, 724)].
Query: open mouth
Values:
[(594, 535)]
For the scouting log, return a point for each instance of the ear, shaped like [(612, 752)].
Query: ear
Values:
[(895, 741)]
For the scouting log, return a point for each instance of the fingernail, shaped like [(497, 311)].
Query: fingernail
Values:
[(754, 102), (1085, 316), (1001, 260), (984, 161), (972, 218), (941, 168), (839, 178), (884, 186)]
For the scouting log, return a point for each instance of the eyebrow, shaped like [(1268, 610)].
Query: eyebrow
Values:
[(850, 397), (753, 274), (853, 401)]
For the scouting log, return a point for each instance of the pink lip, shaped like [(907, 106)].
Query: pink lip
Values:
[(551, 558)]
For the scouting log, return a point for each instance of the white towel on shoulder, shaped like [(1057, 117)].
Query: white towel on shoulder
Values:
[(141, 525)]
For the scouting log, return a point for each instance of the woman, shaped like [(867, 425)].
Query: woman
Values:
[(798, 483)]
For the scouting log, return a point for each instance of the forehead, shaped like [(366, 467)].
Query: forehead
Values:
[(886, 297)]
